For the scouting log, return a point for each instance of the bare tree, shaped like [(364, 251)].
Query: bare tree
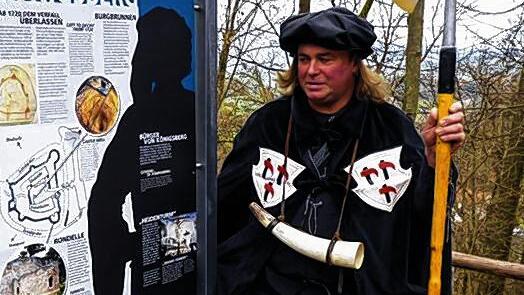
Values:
[(304, 6), (413, 60), (487, 222)]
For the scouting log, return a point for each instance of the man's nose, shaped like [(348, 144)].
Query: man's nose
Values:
[(313, 68)]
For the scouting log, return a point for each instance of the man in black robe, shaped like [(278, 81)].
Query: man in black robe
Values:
[(332, 100)]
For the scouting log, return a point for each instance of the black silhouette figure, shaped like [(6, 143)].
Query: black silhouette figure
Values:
[(161, 60)]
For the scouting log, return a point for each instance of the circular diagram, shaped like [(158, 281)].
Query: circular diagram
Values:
[(17, 96), (37, 269), (97, 105)]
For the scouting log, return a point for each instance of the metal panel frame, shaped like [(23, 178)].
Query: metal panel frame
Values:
[(206, 140)]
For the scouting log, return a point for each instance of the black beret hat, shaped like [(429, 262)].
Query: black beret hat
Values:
[(334, 28)]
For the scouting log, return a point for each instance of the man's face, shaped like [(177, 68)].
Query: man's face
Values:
[(326, 76)]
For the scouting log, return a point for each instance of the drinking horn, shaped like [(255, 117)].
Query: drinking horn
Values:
[(342, 253)]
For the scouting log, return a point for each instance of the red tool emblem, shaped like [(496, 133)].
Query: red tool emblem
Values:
[(381, 181), (271, 183)]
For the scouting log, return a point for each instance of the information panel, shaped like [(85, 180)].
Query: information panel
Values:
[(97, 147)]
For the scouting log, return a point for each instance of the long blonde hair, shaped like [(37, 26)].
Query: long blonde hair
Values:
[(368, 83)]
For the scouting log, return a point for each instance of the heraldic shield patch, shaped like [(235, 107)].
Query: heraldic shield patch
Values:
[(270, 176), (380, 179)]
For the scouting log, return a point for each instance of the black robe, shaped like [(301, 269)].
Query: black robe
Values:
[(397, 252)]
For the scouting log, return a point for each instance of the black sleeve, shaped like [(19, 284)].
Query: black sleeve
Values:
[(235, 186)]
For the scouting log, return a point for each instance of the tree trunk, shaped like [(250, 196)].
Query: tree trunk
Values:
[(304, 6), (413, 56), (223, 57), (501, 218), (228, 36), (517, 244), (366, 8), (517, 249)]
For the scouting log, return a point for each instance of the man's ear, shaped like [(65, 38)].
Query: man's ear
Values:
[(356, 66), (354, 60)]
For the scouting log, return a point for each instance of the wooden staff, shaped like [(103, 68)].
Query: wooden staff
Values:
[(446, 89)]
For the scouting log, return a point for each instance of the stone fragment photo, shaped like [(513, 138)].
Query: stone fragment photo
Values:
[(18, 102), (37, 270), (97, 105)]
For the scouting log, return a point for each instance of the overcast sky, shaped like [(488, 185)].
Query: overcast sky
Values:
[(483, 24)]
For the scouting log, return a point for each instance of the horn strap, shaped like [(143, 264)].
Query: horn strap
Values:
[(330, 250), (336, 235), (272, 224), (282, 215)]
